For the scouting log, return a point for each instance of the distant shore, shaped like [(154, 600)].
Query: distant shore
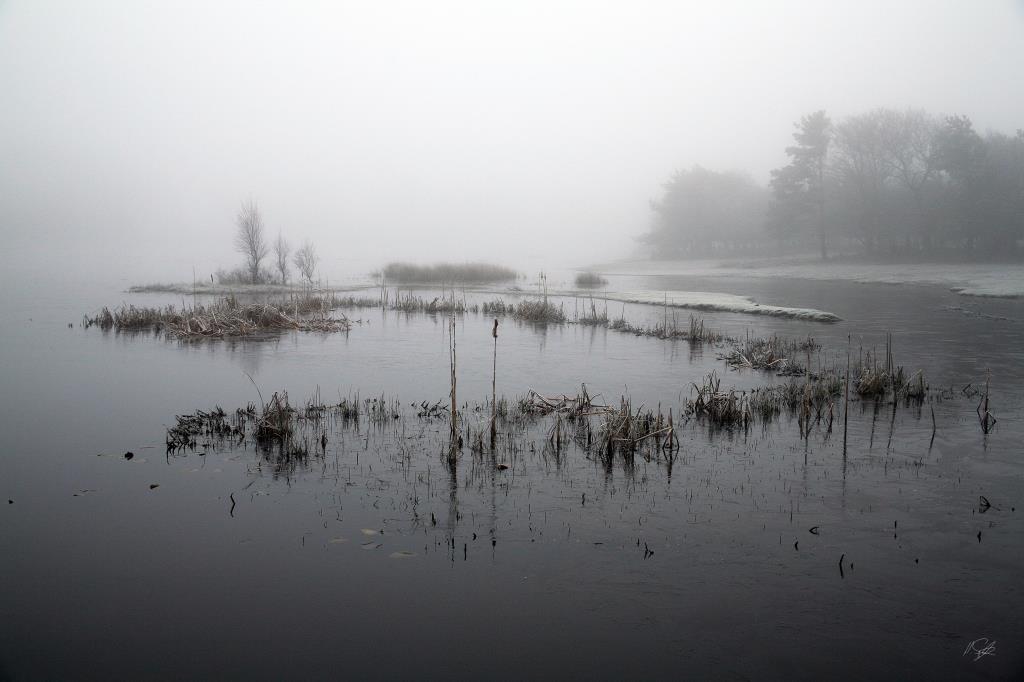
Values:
[(989, 280)]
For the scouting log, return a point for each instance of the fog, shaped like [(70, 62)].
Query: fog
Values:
[(525, 133)]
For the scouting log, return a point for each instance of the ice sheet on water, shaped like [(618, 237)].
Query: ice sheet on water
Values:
[(717, 302)]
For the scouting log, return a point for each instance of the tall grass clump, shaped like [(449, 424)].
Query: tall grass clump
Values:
[(627, 432), (539, 312), (874, 377), (769, 353), (719, 408)]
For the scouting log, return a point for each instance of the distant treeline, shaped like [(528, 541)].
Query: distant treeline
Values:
[(884, 182)]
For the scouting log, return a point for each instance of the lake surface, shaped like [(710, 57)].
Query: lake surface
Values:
[(372, 560)]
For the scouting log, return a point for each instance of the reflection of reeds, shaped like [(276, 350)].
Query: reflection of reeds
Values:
[(668, 329)]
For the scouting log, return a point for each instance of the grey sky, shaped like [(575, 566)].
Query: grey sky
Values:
[(422, 130)]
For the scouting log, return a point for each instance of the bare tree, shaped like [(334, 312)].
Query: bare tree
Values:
[(281, 251), (305, 260), (910, 145), (249, 239), (862, 167)]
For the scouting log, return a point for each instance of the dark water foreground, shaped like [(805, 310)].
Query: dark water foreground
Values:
[(371, 558)]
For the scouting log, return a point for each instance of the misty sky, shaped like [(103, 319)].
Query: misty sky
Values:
[(518, 132)]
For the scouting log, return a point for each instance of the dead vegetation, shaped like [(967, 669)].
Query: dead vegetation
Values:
[(772, 353), (539, 311), (811, 401), (669, 329), (226, 318), (874, 378)]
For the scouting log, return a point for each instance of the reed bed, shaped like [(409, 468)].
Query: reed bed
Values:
[(669, 329), (407, 303), (333, 301), (293, 432), (539, 312), (590, 280), (497, 307), (434, 306), (718, 407), (580, 405), (811, 400), (772, 353), (874, 378), (447, 273), (227, 318), (628, 432), (288, 435)]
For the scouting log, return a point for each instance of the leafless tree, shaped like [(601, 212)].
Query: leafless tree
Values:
[(281, 251), (861, 165), (249, 239), (910, 146), (305, 260)]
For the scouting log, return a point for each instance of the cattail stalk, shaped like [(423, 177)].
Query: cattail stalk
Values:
[(494, 384)]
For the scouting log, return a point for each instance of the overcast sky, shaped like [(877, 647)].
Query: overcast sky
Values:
[(519, 132)]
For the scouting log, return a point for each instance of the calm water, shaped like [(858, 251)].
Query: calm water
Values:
[(537, 571)]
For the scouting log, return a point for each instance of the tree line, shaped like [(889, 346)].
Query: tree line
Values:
[(266, 262), (885, 182)]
